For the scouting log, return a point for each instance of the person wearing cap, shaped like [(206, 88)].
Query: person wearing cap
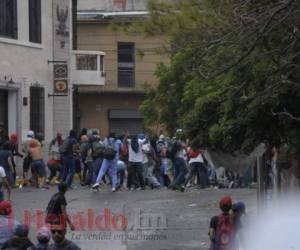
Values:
[(221, 226), (57, 207), (43, 238), (238, 210), (19, 240)]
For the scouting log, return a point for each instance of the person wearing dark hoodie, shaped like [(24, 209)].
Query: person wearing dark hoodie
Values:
[(19, 240)]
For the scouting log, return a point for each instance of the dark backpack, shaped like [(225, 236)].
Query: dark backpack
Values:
[(98, 149), (110, 152), (224, 232), (174, 149), (64, 146)]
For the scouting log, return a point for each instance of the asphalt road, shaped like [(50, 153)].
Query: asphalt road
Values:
[(131, 220)]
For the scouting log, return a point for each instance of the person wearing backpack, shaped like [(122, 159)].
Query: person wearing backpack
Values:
[(222, 227), (110, 161), (179, 160), (98, 149), (67, 150)]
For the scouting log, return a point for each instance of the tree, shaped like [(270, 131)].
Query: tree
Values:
[(233, 80)]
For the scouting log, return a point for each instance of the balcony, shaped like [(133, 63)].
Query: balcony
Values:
[(87, 67)]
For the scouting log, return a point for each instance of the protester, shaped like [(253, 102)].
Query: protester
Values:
[(43, 237), (19, 239), (27, 159), (111, 157), (68, 149), (15, 152), (57, 207), (149, 162), (162, 152), (58, 232), (6, 161), (221, 227), (4, 182), (238, 210), (135, 162), (37, 164), (179, 160)]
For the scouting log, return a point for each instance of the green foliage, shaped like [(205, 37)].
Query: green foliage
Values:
[(233, 80)]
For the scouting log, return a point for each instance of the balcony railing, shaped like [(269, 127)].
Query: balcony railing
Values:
[(87, 67)]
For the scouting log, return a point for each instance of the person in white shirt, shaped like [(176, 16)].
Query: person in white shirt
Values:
[(4, 182), (135, 162)]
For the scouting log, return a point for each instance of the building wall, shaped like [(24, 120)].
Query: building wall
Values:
[(27, 65), (102, 37), (94, 108), (112, 5)]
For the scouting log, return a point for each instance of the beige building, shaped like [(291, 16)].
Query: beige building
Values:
[(130, 61)]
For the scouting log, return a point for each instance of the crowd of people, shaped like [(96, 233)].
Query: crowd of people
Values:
[(130, 162)]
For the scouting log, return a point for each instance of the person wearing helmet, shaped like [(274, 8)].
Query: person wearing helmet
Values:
[(221, 226)]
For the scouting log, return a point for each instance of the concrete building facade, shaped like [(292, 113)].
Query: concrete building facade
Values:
[(35, 42), (130, 62)]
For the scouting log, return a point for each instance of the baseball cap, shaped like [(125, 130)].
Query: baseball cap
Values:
[(239, 207), (43, 233), (225, 203), (30, 133)]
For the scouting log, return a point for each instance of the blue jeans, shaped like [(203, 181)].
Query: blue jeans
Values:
[(69, 170), (163, 169), (180, 170), (112, 166), (38, 167), (97, 162)]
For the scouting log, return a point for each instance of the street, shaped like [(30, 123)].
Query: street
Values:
[(153, 219)]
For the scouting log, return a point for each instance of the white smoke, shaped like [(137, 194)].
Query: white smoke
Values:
[(277, 227)]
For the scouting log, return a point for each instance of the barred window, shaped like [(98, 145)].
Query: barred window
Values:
[(8, 19), (126, 65), (86, 62), (35, 21), (37, 110)]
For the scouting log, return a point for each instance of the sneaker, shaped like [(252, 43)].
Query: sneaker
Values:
[(113, 190), (132, 189), (95, 186), (182, 189)]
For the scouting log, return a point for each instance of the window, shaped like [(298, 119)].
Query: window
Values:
[(37, 110), (126, 65), (86, 62), (8, 19), (35, 21)]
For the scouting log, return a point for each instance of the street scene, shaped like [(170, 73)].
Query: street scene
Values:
[(149, 124)]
